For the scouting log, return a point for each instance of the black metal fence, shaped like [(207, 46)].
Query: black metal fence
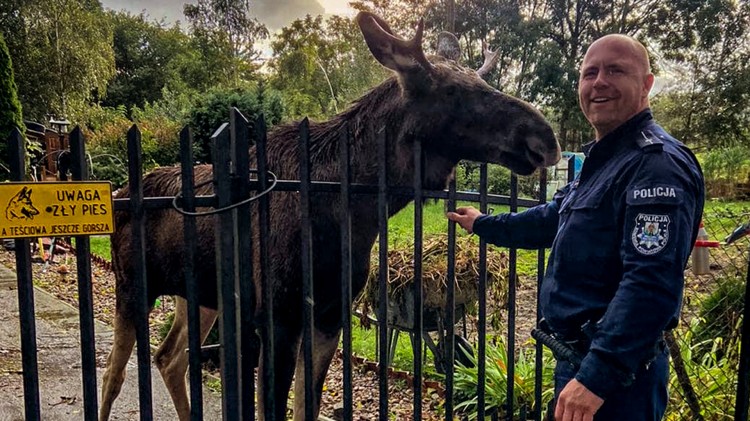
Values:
[(712, 346)]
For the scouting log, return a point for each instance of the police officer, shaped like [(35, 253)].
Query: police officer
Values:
[(620, 236)]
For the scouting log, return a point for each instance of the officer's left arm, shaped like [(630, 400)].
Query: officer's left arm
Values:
[(659, 201)]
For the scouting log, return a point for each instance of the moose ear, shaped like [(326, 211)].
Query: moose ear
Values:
[(448, 46), (392, 52)]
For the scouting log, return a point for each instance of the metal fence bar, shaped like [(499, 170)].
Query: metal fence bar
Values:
[(332, 187), (17, 150), (225, 274), (190, 236), (482, 298), (513, 255), (538, 351), (742, 400), (417, 328), (245, 288), (267, 338), (449, 342), (308, 299), (383, 274), (346, 269), (79, 172), (135, 168)]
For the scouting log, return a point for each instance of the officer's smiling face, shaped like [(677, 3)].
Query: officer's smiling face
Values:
[(614, 83)]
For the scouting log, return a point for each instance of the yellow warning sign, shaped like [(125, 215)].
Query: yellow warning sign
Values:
[(55, 209)]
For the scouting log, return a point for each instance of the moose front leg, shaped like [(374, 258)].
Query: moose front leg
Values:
[(324, 346), (285, 347)]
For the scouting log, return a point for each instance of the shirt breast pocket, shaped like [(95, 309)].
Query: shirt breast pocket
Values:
[(590, 228)]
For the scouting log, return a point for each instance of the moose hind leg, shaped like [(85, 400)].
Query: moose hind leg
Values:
[(171, 358), (324, 347), (114, 375)]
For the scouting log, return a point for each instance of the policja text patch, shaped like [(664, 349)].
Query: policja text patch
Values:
[(651, 233)]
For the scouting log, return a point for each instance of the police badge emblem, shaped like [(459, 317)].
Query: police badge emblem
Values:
[(651, 233)]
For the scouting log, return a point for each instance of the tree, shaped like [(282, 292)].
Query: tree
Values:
[(10, 107), (321, 65), (148, 58), (62, 50), (227, 29), (709, 41)]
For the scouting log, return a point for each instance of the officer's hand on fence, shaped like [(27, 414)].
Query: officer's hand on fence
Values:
[(465, 217), (576, 402)]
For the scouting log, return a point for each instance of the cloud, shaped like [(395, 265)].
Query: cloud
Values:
[(275, 14)]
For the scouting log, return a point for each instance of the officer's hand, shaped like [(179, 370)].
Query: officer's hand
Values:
[(577, 403), (465, 217)]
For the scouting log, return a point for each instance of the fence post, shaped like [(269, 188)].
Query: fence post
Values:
[(743, 373), (418, 304), (308, 298), (191, 285), (25, 291), (225, 266), (135, 169), (79, 171), (264, 224)]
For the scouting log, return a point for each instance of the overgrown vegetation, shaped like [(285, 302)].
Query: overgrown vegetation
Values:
[(466, 379)]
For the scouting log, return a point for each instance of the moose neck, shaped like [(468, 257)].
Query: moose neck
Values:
[(383, 108)]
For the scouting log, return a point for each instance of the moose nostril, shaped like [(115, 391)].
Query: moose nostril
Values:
[(535, 157)]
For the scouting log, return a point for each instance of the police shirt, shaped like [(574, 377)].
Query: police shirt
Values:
[(620, 236)]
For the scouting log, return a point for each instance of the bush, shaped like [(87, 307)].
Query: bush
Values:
[(718, 315), (466, 379), (724, 168), (498, 180), (106, 131), (212, 110)]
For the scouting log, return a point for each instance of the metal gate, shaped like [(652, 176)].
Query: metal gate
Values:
[(235, 186)]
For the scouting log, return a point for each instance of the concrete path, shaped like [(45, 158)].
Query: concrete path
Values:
[(59, 360)]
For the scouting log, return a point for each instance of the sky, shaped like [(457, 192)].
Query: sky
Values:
[(275, 14)]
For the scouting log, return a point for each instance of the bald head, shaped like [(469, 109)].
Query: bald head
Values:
[(635, 49)]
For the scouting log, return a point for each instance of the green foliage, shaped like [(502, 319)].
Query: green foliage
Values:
[(10, 108), (225, 33), (212, 110), (498, 180), (723, 168), (711, 366), (62, 50), (150, 60), (106, 132), (322, 65), (466, 379), (719, 313)]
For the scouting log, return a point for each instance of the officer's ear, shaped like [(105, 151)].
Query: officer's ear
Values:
[(648, 83)]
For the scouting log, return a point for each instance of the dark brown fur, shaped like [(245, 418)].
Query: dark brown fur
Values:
[(449, 108)]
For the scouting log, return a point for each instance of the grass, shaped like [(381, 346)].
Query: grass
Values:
[(99, 246), (364, 345)]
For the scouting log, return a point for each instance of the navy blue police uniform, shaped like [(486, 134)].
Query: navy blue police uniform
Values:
[(620, 236)]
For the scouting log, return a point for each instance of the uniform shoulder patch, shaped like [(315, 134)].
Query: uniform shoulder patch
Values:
[(651, 233), (648, 141)]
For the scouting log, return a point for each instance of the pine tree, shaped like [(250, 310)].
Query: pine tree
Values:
[(10, 107)]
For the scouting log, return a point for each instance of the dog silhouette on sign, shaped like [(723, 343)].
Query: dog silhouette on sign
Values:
[(20, 206)]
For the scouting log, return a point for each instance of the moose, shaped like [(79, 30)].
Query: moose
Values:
[(455, 113)]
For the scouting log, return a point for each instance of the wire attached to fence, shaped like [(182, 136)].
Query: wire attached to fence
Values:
[(272, 178)]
